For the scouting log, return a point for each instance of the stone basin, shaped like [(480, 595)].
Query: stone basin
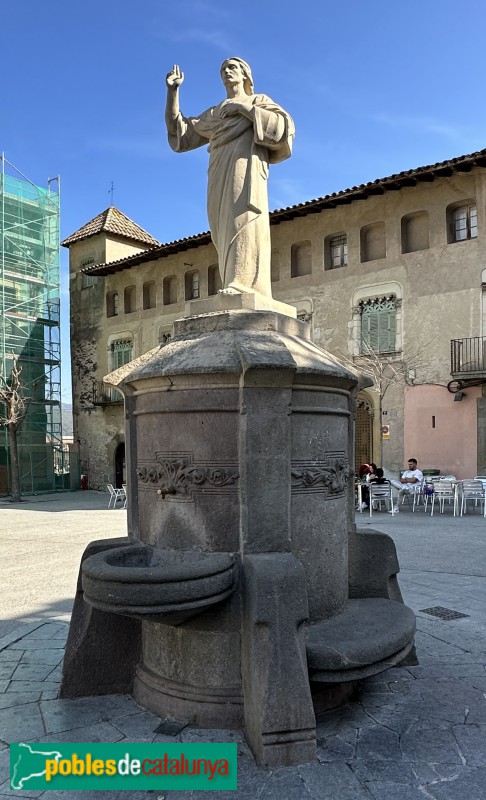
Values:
[(368, 637), (157, 585)]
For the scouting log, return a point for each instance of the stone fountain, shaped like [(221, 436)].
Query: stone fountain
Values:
[(243, 596)]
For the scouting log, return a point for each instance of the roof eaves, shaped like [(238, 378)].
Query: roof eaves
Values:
[(156, 252), (362, 192)]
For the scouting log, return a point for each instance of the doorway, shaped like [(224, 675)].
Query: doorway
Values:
[(120, 473), (363, 451)]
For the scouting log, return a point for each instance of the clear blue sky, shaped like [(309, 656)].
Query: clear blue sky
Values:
[(374, 88)]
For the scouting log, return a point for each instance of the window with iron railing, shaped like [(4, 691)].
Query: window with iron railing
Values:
[(104, 394), (468, 356)]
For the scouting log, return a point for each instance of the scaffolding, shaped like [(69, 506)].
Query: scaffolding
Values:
[(30, 325)]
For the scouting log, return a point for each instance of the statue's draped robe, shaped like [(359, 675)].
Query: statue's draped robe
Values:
[(240, 150)]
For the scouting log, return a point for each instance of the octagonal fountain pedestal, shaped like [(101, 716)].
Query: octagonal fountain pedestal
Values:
[(250, 598)]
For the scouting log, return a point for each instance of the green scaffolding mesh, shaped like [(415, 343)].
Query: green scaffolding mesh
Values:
[(29, 325)]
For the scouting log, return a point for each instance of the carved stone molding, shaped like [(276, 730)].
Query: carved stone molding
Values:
[(365, 404), (330, 476), (177, 475)]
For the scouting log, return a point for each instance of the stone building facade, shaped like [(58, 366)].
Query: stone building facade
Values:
[(390, 275)]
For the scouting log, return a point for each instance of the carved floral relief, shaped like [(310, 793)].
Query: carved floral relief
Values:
[(331, 475), (177, 474)]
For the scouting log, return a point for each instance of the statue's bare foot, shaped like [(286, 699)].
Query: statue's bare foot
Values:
[(236, 288), (229, 290)]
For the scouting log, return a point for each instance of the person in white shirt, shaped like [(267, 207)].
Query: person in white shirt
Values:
[(409, 482)]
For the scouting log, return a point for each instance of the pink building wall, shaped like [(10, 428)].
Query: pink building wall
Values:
[(451, 445)]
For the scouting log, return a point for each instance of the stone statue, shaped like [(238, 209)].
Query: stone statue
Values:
[(246, 133)]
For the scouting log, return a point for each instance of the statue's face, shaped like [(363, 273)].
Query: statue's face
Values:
[(232, 73)]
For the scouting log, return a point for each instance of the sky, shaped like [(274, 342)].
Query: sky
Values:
[(374, 88)]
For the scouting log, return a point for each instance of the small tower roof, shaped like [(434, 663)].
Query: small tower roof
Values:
[(111, 221)]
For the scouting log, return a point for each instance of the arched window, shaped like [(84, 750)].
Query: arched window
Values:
[(415, 232), (275, 266), (336, 251), (462, 221), (214, 280), (373, 242), (300, 259), (112, 304), (170, 290), (192, 285), (121, 352), (149, 295), (129, 299)]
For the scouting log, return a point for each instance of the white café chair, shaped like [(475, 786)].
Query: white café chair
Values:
[(481, 478), (381, 493), (471, 490), (427, 492), (124, 487), (443, 490), (416, 495), (115, 494)]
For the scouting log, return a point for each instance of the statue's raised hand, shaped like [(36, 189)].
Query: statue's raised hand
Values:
[(175, 77)]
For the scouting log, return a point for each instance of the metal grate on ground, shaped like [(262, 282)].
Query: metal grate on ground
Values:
[(443, 613)]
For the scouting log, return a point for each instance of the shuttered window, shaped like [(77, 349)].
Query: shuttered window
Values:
[(378, 325), (121, 353)]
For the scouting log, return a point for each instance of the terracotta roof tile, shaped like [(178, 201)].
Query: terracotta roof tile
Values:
[(392, 183), (409, 177), (112, 221)]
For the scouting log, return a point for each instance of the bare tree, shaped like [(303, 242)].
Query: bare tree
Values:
[(14, 406), (386, 370)]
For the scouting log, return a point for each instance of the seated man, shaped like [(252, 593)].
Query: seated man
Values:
[(409, 482)]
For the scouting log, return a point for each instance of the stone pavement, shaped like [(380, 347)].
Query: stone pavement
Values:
[(413, 733)]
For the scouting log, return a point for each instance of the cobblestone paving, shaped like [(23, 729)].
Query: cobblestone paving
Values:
[(413, 733)]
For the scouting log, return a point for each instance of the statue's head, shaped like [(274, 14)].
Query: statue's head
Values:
[(245, 69)]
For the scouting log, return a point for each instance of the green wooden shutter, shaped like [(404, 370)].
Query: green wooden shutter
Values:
[(378, 326), (122, 353)]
